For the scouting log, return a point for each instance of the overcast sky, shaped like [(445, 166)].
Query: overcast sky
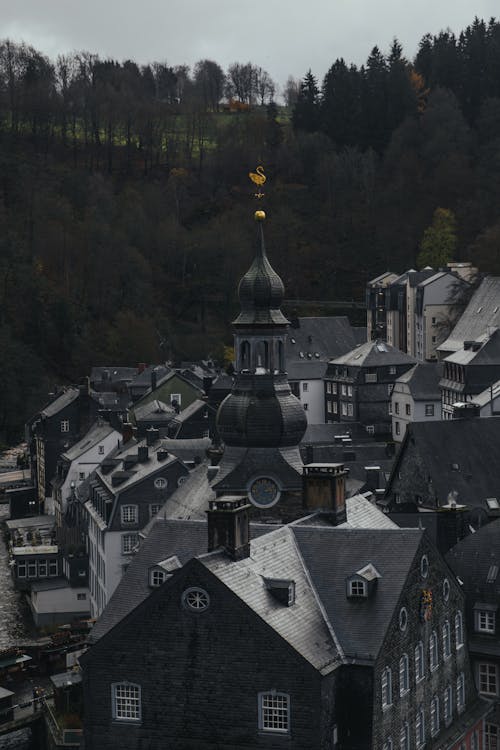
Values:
[(286, 37)]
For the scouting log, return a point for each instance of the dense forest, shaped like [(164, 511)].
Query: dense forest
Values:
[(126, 209)]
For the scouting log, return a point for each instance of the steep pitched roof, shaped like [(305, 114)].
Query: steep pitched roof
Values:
[(476, 561), (373, 354), (488, 352), (319, 338), (155, 409), (482, 311), (97, 433), (460, 455), (423, 382), (60, 402)]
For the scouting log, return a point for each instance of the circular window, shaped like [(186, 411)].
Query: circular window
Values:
[(264, 492), (181, 480), (161, 483), (195, 599), (424, 566), (446, 589), (403, 618)]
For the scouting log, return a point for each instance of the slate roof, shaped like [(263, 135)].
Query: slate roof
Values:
[(156, 410), (144, 377), (190, 499), (116, 374), (97, 433), (373, 354), (61, 401), (327, 336), (487, 354), (239, 464), (194, 407), (423, 382), (187, 449), (472, 560), (306, 370), (469, 444), (482, 311)]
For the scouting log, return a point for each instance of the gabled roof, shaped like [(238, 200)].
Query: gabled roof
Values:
[(306, 370), (373, 354), (195, 406), (156, 410), (423, 382), (60, 402), (112, 374), (97, 433), (476, 561), (319, 338), (487, 353), (482, 311), (144, 377), (459, 455)]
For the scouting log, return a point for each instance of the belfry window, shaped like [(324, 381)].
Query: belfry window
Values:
[(244, 355), (262, 355)]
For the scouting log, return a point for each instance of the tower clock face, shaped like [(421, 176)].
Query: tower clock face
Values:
[(264, 492)]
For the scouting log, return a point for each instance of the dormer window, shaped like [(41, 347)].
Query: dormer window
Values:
[(485, 618), (157, 577), (362, 583), (283, 590), (357, 588)]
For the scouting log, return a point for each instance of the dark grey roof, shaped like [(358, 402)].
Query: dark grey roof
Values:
[(97, 433), (327, 336), (61, 401), (189, 449), (154, 410), (423, 382), (374, 354), (144, 377), (482, 311), (238, 465), (473, 558), (416, 277), (306, 370), (222, 382), (471, 445), (195, 406), (112, 374), (323, 433), (331, 555), (487, 354)]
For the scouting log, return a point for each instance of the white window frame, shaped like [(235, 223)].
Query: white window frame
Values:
[(129, 543), (433, 651), (21, 565), (420, 728), (446, 633), (484, 621), (157, 577), (334, 389), (429, 410), (491, 736), (404, 675), (419, 662), (43, 569), (126, 704), (176, 397), (335, 407), (64, 425), (328, 387), (459, 631), (434, 716), (447, 705), (386, 686), (487, 674), (129, 515), (460, 692), (274, 712), (357, 589), (404, 737)]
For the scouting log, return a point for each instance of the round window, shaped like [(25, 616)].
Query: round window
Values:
[(446, 589), (403, 618), (161, 483), (264, 492), (181, 480), (195, 599), (424, 566)]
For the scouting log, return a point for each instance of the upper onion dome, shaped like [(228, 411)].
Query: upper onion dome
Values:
[(261, 291)]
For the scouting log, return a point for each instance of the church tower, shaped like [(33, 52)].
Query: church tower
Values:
[(261, 422)]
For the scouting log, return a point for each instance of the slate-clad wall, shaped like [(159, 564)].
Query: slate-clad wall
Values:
[(387, 722), (411, 479), (200, 675)]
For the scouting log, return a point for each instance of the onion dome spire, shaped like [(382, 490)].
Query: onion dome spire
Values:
[(261, 290)]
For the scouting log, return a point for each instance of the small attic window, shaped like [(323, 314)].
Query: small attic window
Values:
[(455, 467), (301, 355), (293, 341), (357, 588), (492, 503), (157, 577), (361, 584), (283, 590), (479, 309), (492, 574)]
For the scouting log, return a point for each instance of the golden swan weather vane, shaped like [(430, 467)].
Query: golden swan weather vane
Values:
[(258, 178)]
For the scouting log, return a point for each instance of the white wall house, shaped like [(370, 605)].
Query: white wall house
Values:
[(55, 602), (307, 384), (416, 397), (433, 315)]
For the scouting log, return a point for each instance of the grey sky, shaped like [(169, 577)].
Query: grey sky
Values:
[(286, 37)]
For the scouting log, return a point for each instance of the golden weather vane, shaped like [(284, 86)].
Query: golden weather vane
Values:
[(258, 178)]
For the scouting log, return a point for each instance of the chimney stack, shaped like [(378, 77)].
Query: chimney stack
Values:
[(127, 432), (152, 435), (324, 490), (229, 525), (142, 453)]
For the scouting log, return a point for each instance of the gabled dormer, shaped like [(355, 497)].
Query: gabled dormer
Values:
[(361, 585), (160, 572), (282, 589)]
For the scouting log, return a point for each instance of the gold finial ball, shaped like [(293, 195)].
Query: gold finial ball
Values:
[(260, 216)]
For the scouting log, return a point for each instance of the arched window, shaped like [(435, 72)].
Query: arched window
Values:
[(447, 707), (419, 662), (274, 712), (420, 728), (386, 685), (459, 631), (446, 640), (281, 357), (244, 356), (434, 716), (262, 355), (460, 692), (404, 737), (126, 701), (433, 650), (388, 744), (404, 675)]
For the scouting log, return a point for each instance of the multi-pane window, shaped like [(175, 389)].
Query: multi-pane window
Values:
[(419, 662), (349, 390), (274, 712), (53, 568), (386, 685), (65, 425), (129, 542), (157, 577), (334, 388), (485, 621), (491, 737), (344, 389), (404, 737), (446, 640), (350, 410), (487, 679), (154, 509), (129, 514), (460, 691), (357, 588), (434, 716), (21, 569), (433, 650), (420, 728), (328, 387), (126, 701), (404, 675), (447, 705), (459, 630), (408, 409), (429, 410)]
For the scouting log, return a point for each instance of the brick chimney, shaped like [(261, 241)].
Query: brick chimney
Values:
[(229, 525), (324, 490)]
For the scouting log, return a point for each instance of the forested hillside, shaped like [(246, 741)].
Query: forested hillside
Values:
[(126, 209)]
